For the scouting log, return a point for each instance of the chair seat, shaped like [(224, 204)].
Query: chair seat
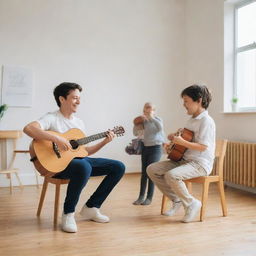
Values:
[(56, 180), (14, 170), (202, 179)]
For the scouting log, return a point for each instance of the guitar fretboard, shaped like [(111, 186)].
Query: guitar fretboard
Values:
[(91, 138)]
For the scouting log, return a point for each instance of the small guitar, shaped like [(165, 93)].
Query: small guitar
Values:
[(139, 120), (175, 152), (47, 157)]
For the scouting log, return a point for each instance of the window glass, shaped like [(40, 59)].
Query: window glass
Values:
[(246, 78), (246, 25)]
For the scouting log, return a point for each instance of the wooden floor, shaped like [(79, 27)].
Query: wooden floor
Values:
[(133, 230)]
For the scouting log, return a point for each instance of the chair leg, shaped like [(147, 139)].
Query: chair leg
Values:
[(189, 186), (204, 199), (56, 205), (222, 198), (10, 177), (165, 200), (18, 178), (40, 205)]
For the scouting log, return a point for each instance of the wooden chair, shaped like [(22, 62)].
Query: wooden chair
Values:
[(9, 169), (57, 183), (220, 151)]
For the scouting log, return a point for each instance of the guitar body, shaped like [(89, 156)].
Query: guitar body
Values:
[(138, 120), (46, 160), (176, 152)]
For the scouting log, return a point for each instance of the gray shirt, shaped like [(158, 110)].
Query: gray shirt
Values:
[(153, 132)]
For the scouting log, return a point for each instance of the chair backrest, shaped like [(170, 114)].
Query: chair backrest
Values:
[(220, 151)]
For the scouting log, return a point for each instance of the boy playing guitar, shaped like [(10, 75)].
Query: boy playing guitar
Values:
[(79, 170), (197, 160)]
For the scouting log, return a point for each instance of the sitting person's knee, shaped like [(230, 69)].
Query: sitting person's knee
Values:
[(151, 169), (119, 167), (82, 173)]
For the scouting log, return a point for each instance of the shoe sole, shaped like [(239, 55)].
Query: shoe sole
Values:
[(95, 220)]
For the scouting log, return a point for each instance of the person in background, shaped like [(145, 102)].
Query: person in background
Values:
[(197, 160), (149, 127)]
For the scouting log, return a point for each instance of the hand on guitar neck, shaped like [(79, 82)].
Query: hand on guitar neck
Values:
[(108, 138), (176, 149)]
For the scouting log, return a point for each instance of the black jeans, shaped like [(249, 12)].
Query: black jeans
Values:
[(149, 155), (79, 171)]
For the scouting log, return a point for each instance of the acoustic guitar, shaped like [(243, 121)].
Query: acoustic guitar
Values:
[(139, 120), (49, 160), (175, 152)]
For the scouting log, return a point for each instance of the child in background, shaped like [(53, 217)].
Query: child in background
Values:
[(149, 127)]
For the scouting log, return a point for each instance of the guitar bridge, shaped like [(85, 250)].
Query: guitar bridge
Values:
[(56, 150)]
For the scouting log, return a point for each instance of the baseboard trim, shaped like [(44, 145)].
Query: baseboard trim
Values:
[(26, 179), (240, 187)]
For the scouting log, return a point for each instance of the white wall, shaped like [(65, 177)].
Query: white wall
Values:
[(205, 63), (122, 52)]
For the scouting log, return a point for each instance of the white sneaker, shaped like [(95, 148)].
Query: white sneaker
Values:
[(68, 223), (175, 207), (93, 214), (192, 211)]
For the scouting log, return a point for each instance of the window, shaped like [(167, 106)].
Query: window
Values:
[(245, 56)]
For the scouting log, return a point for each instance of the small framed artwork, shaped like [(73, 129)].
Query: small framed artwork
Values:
[(17, 86)]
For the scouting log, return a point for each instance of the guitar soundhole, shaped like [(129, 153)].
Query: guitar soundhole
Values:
[(74, 144)]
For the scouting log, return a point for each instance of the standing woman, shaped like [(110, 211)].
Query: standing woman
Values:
[(153, 138)]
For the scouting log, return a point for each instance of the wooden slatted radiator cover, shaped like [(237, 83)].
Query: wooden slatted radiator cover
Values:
[(240, 165)]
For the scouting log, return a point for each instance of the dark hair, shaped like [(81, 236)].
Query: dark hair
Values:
[(64, 89), (197, 92)]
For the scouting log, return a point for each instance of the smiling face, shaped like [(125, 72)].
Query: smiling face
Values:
[(193, 108), (72, 101)]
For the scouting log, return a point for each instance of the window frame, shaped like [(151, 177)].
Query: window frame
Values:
[(238, 50)]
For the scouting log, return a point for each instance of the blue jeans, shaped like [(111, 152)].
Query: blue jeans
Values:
[(80, 170), (149, 155)]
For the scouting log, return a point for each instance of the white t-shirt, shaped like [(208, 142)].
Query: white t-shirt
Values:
[(204, 130), (55, 121)]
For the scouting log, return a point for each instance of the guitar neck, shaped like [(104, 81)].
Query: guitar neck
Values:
[(91, 138)]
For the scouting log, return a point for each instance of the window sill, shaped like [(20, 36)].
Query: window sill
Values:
[(239, 112)]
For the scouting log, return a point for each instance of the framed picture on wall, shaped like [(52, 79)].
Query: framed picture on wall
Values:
[(17, 86)]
